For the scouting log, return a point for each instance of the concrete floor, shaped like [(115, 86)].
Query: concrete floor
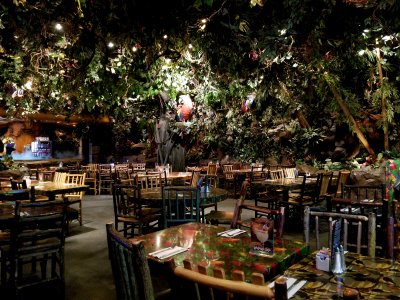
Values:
[(87, 269)]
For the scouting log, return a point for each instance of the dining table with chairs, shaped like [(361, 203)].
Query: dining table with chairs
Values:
[(153, 196), (203, 244)]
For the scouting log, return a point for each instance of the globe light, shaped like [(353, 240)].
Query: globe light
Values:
[(58, 27)]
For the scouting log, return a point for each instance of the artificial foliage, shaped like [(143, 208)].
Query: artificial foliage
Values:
[(132, 60)]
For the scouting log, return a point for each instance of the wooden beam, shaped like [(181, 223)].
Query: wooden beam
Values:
[(51, 118)]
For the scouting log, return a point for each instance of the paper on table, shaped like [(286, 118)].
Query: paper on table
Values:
[(292, 288), (231, 232), (168, 252)]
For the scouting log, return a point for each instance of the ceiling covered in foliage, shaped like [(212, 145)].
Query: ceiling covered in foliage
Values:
[(317, 60)]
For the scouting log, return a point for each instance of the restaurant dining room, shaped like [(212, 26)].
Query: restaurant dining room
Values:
[(205, 149)]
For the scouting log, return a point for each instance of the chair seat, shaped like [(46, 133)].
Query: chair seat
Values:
[(219, 217), (146, 211), (144, 219)]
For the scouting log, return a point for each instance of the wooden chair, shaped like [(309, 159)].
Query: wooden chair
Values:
[(37, 237), (289, 172), (59, 177), (199, 285), (130, 268), (276, 174), (45, 175), (18, 184), (363, 199), (278, 215), (217, 217), (105, 178), (128, 210), (181, 205), (91, 177), (139, 166), (150, 181), (362, 192), (229, 178), (123, 175), (212, 169), (75, 198), (393, 232), (362, 239), (342, 179)]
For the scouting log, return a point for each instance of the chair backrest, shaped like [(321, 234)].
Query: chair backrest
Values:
[(212, 169), (257, 173), (123, 174), (181, 205), (139, 166), (18, 184), (342, 178), (129, 266), (362, 192), (194, 180), (105, 171), (276, 174), (289, 172), (39, 231), (227, 169), (150, 181), (59, 177), (324, 181), (45, 175), (278, 215), (78, 179), (218, 287), (126, 202), (91, 173), (363, 238)]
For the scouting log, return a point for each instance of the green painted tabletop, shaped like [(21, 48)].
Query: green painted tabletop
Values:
[(209, 249)]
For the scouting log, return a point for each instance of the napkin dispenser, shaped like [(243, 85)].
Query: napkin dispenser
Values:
[(323, 260)]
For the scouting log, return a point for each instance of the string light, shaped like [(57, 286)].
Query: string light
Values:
[(110, 45), (58, 27), (190, 46), (165, 36), (134, 49)]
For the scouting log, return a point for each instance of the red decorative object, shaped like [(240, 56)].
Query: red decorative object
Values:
[(185, 108)]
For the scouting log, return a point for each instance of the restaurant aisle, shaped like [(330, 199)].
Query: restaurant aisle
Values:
[(87, 269)]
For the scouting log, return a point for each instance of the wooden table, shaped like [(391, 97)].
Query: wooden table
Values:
[(285, 184), (51, 189), (374, 278), (153, 196), (232, 253)]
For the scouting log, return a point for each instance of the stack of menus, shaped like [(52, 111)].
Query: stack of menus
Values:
[(262, 236)]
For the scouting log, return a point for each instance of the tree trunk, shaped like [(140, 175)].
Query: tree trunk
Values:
[(383, 101), (302, 119), (350, 118)]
